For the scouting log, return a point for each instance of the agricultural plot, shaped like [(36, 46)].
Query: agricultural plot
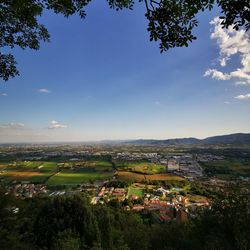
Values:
[(78, 176), (196, 198), (30, 176), (99, 165), (54, 173), (164, 177), (34, 172), (48, 167), (96, 165), (131, 176), (226, 169), (135, 191), (3, 166), (147, 168), (125, 165)]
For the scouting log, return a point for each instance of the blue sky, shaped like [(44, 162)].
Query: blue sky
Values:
[(101, 78)]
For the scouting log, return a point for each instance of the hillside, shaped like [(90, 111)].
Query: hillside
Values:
[(239, 138)]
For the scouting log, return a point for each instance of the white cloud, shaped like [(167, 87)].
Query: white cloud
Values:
[(226, 102), (231, 42), (55, 125), (12, 125), (241, 83), (46, 91), (243, 97), (3, 94), (217, 74), (223, 62)]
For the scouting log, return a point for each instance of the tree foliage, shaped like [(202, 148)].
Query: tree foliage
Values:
[(72, 223), (170, 22)]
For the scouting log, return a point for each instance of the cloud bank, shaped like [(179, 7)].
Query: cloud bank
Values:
[(56, 125), (46, 91), (12, 125), (243, 97), (231, 42)]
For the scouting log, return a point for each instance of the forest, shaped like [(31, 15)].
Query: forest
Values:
[(70, 222)]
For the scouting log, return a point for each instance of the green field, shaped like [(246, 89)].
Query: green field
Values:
[(124, 165), (34, 172), (147, 168), (31, 176), (196, 198), (72, 177), (100, 165), (226, 169), (48, 168), (54, 173), (138, 177), (135, 191), (97, 165)]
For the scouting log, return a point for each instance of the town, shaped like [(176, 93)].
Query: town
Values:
[(165, 184)]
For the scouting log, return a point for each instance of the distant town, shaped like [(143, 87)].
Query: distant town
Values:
[(164, 183)]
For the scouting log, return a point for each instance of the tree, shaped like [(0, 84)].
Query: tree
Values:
[(226, 225), (170, 22), (67, 241), (61, 215)]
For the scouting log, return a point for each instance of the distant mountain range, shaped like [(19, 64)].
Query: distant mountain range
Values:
[(239, 138)]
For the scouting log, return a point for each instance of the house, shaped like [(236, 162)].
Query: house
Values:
[(137, 208), (173, 165), (181, 215), (134, 197), (119, 194), (161, 191), (101, 192)]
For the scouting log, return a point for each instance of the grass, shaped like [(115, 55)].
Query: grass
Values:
[(48, 167), (31, 176), (97, 165), (135, 191), (197, 198), (147, 168), (41, 172), (141, 167), (68, 177), (131, 176), (100, 165), (2, 166), (164, 177), (226, 169), (122, 165), (34, 172), (27, 164)]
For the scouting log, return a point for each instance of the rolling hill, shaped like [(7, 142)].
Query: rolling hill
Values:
[(239, 138)]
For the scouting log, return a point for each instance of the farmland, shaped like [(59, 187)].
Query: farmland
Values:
[(73, 177), (131, 176), (53, 173), (135, 191), (146, 168), (36, 172), (145, 171), (226, 169)]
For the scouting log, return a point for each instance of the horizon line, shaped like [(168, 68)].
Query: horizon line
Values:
[(114, 140)]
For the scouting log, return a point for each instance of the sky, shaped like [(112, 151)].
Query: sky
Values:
[(101, 78)]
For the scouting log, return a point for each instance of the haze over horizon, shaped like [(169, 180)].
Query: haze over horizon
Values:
[(101, 79)]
